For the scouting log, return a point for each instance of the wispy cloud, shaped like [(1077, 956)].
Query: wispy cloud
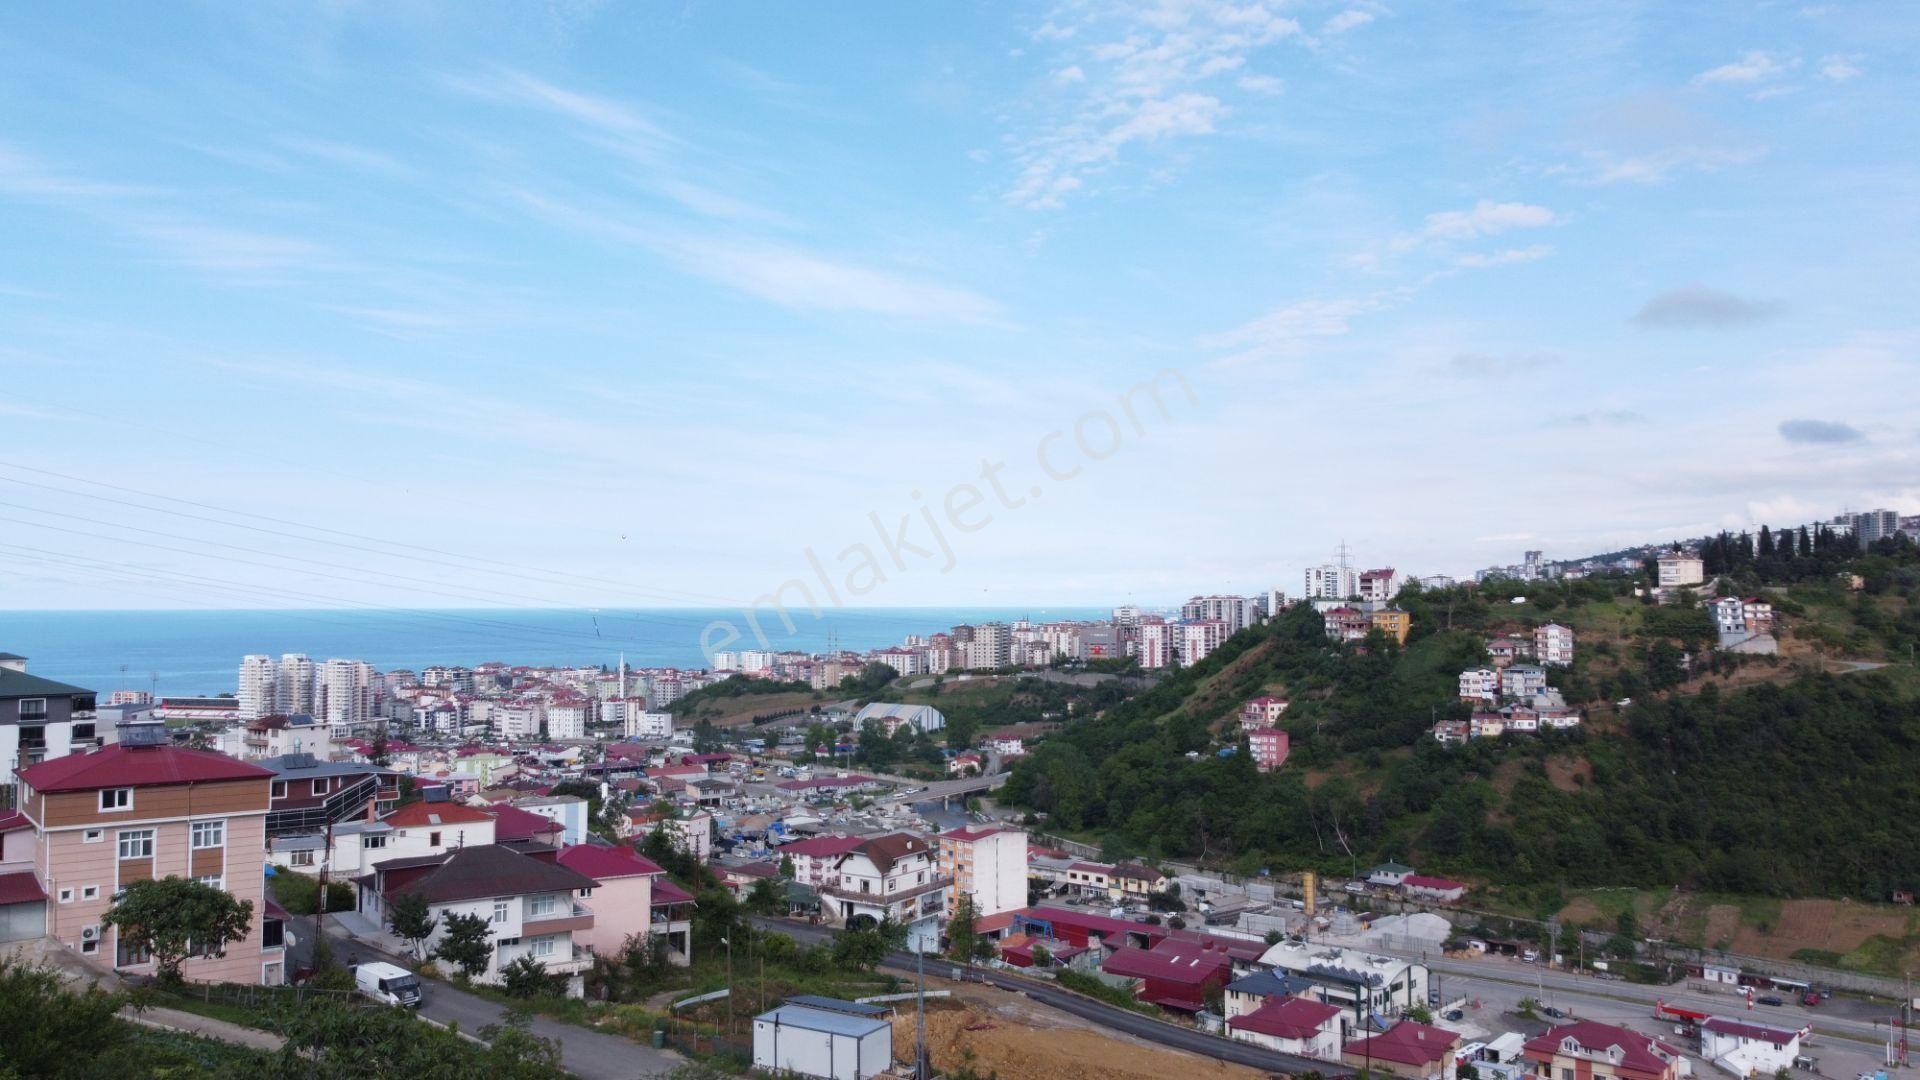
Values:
[(1649, 138), (1840, 68), (1698, 305), (27, 175), (1489, 366), (512, 86), (1350, 19), (227, 250), (1286, 332), (1820, 432), (1482, 260), (1141, 75), (1485, 218), (347, 156), (1604, 418), (1756, 66)]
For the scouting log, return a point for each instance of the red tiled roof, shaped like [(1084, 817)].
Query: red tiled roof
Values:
[(822, 846), (1407, 1043), (1174, 965), (146, 766), (513, 823), (1287, 1018), (1637, 1051), (607, 863), (20, 888), (440, 813)]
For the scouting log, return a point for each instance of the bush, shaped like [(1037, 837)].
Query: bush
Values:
[(527, 978)]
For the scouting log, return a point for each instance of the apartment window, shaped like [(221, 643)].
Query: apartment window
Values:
[(93, 836), (319, 787), (136, 843), (586, 894), (33, 708), (90, 892), (130, 953), (116, 798), (66, 896), (542, 906), (209, 834), (214, 880), (540, 946), (300, 858), (279, 789), (500, 911), (273, 934), (506, 942), (373, 843), (1566, 1074)]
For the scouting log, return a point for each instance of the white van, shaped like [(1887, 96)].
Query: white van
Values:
[(387, 984), (1529, 957)]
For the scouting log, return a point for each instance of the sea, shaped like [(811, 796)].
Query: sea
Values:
[(197, 653)]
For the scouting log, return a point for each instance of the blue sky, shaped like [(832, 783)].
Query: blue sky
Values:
[(517, 298)]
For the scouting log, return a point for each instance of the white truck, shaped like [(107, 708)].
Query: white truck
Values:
[(388, 984)]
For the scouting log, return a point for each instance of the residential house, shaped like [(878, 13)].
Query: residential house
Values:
[(1394, 623), (987, 865), (1174, 974), (1553, 645), (967, 764), (1256, 988), (815, 859), (1504, 650), (1523, 681), (310, 793), (893, 877), (1345, 624), (1437, 889), (41, 719), (512, 824), (1486, 725), (1360, 983), (1291, 1025), (128, 813), (1451, 732), (1389, 874), (1680, 568), (1006, 746), (1589, 1050), (1480, 685), (1408, 1049), (1262, 712), (1269, 747), (278, 736), (623, 901), (570, 811), (1136, 881), (523, 893), (430, 828), (1745, 1049)]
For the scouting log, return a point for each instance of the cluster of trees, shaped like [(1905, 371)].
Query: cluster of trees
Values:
[(1700, 791)]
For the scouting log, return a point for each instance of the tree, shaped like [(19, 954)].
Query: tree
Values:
[(960, 931), (377, 750), (1419, 1014), (706, 738), (1042, 956), (768, 897), (411, 921), (583, 789), (863, 948), (526, 978), (467, 944), (53, 1030), (175, 917), (786, 867)]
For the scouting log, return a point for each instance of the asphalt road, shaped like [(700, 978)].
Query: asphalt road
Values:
[(589, 1055), (1108, 1016)]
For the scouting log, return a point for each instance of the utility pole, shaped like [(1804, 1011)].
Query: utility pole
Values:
[(922, 1068)]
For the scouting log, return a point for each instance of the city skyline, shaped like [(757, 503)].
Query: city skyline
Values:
[(435, 307)]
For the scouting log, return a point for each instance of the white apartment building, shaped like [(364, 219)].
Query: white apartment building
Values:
[(1331, 583), (293, 693), (1681, 568), (1380, 585), (1126, 615), (1480, 684), (344, 692), (259, 687), (649, 726), (522, 720), (988, 865), (1198, 638), (1236, 612), (990, 647), (568, 719), (1154, 646), (1553, 644), (904, 661), (1523, 681)]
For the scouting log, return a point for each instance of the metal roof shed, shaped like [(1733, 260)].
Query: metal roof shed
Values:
[(808, 1041)]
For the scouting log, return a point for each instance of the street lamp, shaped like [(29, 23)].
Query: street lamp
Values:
[(728, 942)]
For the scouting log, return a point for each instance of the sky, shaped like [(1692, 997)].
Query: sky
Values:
[(413, 304)]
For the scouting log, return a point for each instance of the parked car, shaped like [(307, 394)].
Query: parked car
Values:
[(1769, 999), (1553, 1012), (1812, 998), (388, 984), (1454, 1014), (1530, 956)]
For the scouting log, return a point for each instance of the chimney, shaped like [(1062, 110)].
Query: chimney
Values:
[(373, 813), (11, 662)]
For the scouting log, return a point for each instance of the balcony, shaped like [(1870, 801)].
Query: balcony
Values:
[(888, 899), (562, 921)]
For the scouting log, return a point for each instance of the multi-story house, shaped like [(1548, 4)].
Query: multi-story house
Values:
[(277, 736), (1269, 747), (1331, 583), (1393, 622), (134, 812), (431, 828), (1523, 681), (1347, 624), (259, 687), (651, 726), (1380, 585), (41, 719), (632, 897), (1262, 712), (1291, 1025), (816, 859), (1680, 568), (989, 865), (528, 900), (311, 792), (1196, 638), (1480, 684), (893, 877), (1593, 1051), (1154, 644), (1553, 644), (568, 716)]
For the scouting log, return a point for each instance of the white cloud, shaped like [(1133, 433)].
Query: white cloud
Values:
[(1484, 218), (1756, 66), (515, 87), (354, 158), (1143, 74), (1351, 19), (229, 250), (1839, 68), (24, 174), (1285, 332), (1481, 260)]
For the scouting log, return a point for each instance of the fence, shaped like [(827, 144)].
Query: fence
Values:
[(697, 1039)]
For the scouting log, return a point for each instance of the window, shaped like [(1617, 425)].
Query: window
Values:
[(273, 934), (542, 906), (90, 947), (373, 843), (279, 789), (586, 894), (506, 941), (300, 858), (209, 834), (433, 839), (90, 892), (319, 787), (33, 708), (136, 843), (499, 911), (129, 954), (66, 896), (1566, 1074), (94, 836), (540, 946), (214, 880), (116, 798)]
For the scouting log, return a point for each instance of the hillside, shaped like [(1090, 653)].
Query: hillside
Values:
[(1712, 773)]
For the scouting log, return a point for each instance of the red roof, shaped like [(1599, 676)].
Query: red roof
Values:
[(607, 863), (1421, 882), (13, 819), (145, 766), (1193, 966), (970, 835), (20, 888), (512, 823), (1637, 1051), (1407, 1043), (822, 846), (666, 892), (436, 813), (1287, 1018), (1723, 1026)]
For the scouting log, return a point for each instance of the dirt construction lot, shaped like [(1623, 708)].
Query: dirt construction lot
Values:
[(1829, 925), (997, 1032)]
